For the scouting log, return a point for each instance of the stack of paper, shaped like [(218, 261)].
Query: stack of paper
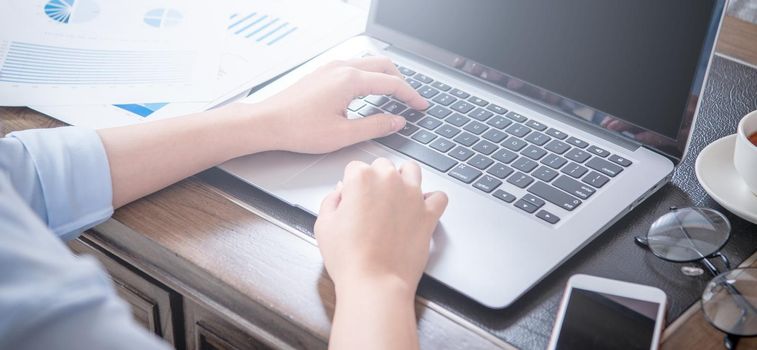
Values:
[(102, 64)]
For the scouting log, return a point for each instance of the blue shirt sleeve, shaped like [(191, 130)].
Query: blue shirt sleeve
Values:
[(57, 180), (62, 174)]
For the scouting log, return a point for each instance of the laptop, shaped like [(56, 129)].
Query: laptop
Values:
[(548, 122)]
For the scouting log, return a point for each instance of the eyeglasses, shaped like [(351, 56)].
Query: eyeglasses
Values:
[(729, 301)]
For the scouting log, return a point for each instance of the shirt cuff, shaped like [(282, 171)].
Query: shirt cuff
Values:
[(74, 174)]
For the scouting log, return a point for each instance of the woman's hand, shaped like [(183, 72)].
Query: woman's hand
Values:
[(309, 116), (374, 232)]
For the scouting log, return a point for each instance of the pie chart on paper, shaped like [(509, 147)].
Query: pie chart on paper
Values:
[(71, 11), (163, 18)]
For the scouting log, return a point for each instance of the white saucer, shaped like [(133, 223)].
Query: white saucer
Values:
[(718, 176)]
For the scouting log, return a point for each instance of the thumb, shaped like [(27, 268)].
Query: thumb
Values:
[(332, 200), (436, 202), (371, 127)]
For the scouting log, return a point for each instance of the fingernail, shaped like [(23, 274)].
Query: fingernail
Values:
[(339, 185), (398, 123)]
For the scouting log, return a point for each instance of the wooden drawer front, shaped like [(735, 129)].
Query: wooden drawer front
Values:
[(150, 303), (210, 331)]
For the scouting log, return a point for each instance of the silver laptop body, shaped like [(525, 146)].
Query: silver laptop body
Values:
[(484, 247)]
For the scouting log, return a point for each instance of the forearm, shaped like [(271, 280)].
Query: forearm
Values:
[(374, 316), (147, 157)]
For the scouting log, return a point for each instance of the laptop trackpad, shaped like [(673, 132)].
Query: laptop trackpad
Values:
[(308, 188)]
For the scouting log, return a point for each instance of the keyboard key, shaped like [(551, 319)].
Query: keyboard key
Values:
[(619, 160), (544, 173), (553, 161), (448, 131), (478, 102), (525, 206), (418, 152), (576, 142), (423, 78), (408, 129), (533, 124), (505, 156), (475, 127), (406, 71), (538, 138), (464, 173), (504, 196), (412, 115), (547, 216), (480, 162), (556, 134), (462, 106), (604, 167), (496, 109), (441, 86), (466, 139), (558, 147), (459, 93), (377, 100), (573, 187), (574, 170), (442, 145), (524, 164), (520, 179), (494, 135), (481, 114), (428, 92), (485, 147), (598, 151), (536, 201), (595, 179), (514, 143), (461, 153), (500, 170), (423, 137), (439, 112), (444, 99), (394, 107), (516, 117), (429, 123), (533, 152), (355, 105), (369, 110), (577, 155), (518, 130), (413, 83), (554, 196), (457, 119), (499, 122), (487, 183)]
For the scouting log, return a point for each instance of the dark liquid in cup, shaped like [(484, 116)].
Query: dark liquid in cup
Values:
[(753, 138)]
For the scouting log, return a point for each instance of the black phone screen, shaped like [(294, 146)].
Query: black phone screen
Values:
[(596, 320)]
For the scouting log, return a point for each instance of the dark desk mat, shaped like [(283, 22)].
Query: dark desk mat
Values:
[(730, 94)]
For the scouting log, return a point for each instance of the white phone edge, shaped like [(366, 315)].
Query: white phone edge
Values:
[(613, 287)]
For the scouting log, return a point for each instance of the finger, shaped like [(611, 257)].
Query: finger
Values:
[(353, 169), (436, 202), (371, 127), (375, 64), (331, 202), (371, 83), (383, 163), (411, 173)]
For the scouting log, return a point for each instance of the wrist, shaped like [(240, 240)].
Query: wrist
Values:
[(388, 288), (248, 128)]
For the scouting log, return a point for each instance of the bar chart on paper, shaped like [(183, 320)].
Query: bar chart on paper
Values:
[(260, 27)]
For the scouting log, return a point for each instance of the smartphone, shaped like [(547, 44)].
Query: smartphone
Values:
[(600, 313)]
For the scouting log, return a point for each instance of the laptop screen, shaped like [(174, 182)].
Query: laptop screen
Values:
[(632, 67)]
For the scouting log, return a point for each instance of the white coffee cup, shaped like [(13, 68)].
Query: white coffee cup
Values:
[(745, 154)]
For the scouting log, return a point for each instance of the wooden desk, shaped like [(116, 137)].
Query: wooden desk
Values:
[(207, 271)]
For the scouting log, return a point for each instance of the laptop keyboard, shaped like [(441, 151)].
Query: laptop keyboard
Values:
[(494, 150)]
